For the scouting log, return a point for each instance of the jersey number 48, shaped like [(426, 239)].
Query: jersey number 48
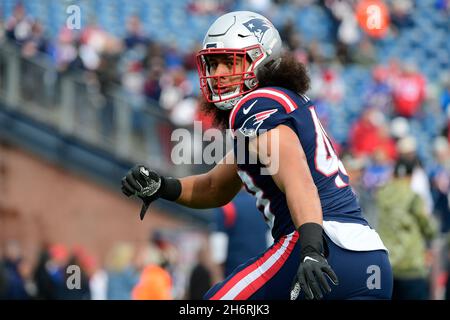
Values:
[(325, 158)]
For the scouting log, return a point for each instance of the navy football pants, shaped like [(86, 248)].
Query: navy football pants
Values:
[(361, 274)]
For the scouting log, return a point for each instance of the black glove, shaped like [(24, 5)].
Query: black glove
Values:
[(313, 265), (149, 186)]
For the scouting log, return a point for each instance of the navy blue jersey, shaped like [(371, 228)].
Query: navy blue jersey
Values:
[(236, 219), (266, 108)]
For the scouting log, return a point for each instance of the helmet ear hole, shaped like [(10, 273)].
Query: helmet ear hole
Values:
[(250, 80)]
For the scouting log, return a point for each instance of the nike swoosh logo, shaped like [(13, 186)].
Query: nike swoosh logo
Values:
[(246, 110), (309, 258)]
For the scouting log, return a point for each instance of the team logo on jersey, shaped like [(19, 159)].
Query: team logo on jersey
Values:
[(250, 127), (258, 27)]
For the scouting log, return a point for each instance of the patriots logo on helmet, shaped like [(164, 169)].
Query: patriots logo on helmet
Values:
[(252, 124), (258, 27)]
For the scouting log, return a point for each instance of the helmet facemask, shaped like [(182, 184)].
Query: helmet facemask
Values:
[(216, 88)]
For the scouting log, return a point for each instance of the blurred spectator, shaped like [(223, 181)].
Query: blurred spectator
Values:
[(64, 51), (355, 168), (184, 113), (443, 5), (36, 42), (405, 229), (348, 31), (133, 83), (407, 148), (154, 57), (173, 59), (168, 253), (97, 44), (206, 7), (440, 189), (370, 134), (26, 269), (134, 33), (315, 55), (408, 91), (399, 128), (133, 79), (122, 276), (288, 32), (391, 71), (343, 53), (170, 262), (378, 94), (77, 259), (378, 171), (231, 242), (50, 273), (440, 182), (107, 79), (202, 277), (401, 11), (44, 284), (15, 283), (155, 282), (175, 87), (98, 284), (152, 88), (297, 49), (328, 85), (19, 26)]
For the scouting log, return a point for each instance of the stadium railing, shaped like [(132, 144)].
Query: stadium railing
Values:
[(125, 125)]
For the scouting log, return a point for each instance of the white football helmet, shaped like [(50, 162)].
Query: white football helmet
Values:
[(239, 33)]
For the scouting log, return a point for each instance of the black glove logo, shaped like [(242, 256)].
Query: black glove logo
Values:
[(295, 291), (311, 277)]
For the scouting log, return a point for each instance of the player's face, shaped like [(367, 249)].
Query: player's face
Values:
[(227, 70)]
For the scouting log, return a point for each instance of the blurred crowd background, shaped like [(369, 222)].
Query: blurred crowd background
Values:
[(117, 86)]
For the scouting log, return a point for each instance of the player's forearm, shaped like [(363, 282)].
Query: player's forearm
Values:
[(200, 192), (301, 194), (194, 192), (304, 204), (212, 189)]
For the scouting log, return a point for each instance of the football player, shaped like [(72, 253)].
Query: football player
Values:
[(323, 248)]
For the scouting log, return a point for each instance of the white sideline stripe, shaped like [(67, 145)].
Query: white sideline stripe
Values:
[(258, 272)]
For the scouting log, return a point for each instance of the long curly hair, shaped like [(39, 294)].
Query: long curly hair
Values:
[(289, 74)]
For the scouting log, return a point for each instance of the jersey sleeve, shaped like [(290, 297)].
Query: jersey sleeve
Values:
[(260, 111)]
